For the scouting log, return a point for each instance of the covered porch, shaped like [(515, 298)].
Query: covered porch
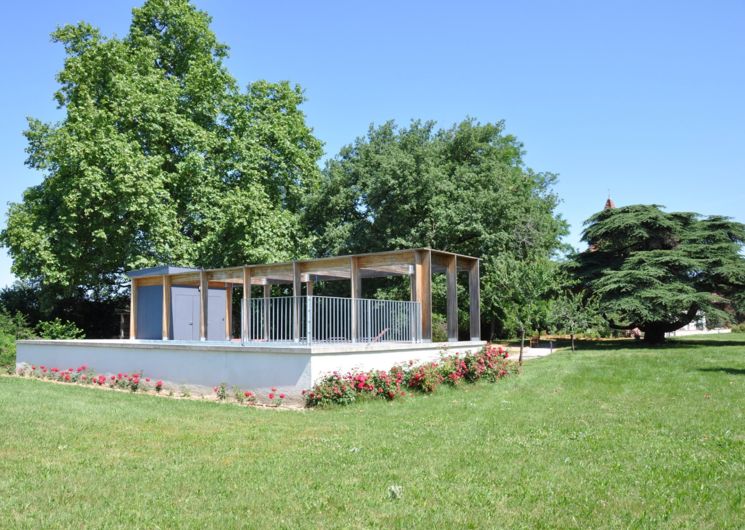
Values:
[(161, 295)]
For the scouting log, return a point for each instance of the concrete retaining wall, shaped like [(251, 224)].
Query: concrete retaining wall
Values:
[(288, 367)]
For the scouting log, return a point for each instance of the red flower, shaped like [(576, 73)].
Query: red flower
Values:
[(248, 393), (271, 396), (281, 396)]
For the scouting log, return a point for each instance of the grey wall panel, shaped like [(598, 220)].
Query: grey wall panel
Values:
[(150, 312)]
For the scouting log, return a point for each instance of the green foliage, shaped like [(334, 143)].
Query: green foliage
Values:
[(159, 158), (574, 313), (656, 270), (464, 189), (439, 328), (13, 326), (59, 329)]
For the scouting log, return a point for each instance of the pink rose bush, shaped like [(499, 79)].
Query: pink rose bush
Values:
[(489, 364), (135, 382)]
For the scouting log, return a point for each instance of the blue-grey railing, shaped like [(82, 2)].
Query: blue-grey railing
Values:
[(329, 319)]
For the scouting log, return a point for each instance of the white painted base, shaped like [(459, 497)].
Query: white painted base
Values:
[(290, 368)]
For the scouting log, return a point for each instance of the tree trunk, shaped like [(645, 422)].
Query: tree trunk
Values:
[(522, 345), (572, 336), (654, 335)]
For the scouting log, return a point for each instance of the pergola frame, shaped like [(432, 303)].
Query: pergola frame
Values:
[(419, 264)]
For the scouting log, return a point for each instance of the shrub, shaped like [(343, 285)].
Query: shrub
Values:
[(59, 329), (439, 328), (739, 328), (12, 327), (489, 364), (221, 391), (426, 377)]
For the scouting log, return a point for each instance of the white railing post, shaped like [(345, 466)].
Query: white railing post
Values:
[(309, 319)]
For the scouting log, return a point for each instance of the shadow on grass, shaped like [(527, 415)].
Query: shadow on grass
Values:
[(724, 369), (670, 344)]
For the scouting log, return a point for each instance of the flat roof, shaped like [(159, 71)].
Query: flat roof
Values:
[(370, 265)]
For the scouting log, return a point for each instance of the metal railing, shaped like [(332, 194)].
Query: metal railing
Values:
[(328, 319)]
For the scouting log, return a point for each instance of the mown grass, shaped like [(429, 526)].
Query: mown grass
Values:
[(614, 436)]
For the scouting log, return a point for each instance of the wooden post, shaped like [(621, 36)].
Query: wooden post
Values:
[(228, 311), (309, 287), (423, 288), (474, 300), (267, 297), (246, 305), (297, 287), (452, 298), (133, 310), (356, 290), (166, 307), (204, 291)]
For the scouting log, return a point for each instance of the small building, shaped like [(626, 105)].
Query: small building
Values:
[(182, 324)]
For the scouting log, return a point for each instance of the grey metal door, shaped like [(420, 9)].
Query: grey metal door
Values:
[(186, 315), (216, 315)]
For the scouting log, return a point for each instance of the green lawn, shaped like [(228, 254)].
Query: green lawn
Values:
[(616, 436)]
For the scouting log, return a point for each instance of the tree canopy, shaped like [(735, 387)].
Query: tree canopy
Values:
[(160, 158), (657, 270), (464, 189)]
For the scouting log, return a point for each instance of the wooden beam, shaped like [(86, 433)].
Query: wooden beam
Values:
[(297, 292), (204, 292), (246, 305), (150, 281), (228, 311), (133, 309), (384, 260), (186, 278), (267, 297), (166, 307), (423, 281), (356, 292), (474, 300), (452, 298)]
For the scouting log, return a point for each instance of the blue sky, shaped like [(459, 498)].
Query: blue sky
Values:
[(645, 99)]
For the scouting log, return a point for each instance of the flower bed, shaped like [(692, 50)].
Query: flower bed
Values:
[(137, 382), (489, 364)]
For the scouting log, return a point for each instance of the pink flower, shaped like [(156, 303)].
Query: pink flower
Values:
[(248, 393), (271, 395), (281, 396), (147, 379), (274, 389)]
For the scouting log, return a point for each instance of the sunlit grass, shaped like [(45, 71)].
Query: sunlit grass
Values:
[(614, 436)]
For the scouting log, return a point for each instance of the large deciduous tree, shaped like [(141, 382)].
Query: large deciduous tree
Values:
[(464, 189), (160, 158), (657, 270)]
